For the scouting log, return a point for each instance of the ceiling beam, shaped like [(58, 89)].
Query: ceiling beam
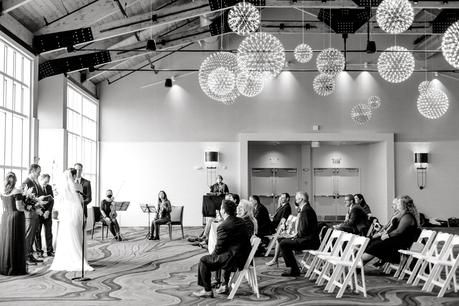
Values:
[(10, 5), (15, 27)]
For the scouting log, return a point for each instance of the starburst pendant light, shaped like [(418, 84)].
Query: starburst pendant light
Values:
[(395, 16), (433, 103), (324, 85), (330, 62), (217, 77), (395, 64), (374, 102), (248, 86), (361, 113), (450, 45), (261, 54), (244, 18), (303, 53), (423, 86)]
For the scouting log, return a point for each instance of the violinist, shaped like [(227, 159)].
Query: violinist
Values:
[(163, 215), (108, 212)]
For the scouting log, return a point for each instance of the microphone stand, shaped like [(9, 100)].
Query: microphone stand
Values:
[(82, 278)]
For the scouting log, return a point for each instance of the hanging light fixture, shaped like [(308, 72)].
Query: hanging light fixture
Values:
[(324, 85), (303, 52), (330, 62), (450, 45), (432, 103), (261, 55), (361, 113), (374, 102), (395, 16), (247, 86), (244, 18), (396, 64), (217, 77), (423, 86)]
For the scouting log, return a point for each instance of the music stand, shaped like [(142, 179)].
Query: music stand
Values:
[(149, 210), (121, 206)]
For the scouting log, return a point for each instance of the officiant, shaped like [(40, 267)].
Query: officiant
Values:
[(108, 212)]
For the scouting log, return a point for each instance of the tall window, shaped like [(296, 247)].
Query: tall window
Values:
[(82, 125), (15, 108)]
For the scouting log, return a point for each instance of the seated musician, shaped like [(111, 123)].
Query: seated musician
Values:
[(108, 212), (163, 215)]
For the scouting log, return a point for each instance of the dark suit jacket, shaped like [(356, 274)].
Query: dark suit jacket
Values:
[(281, 212), (264, 223), (233, 243), (87, 195), (49, 192), (308, 229), (36, 190), (357, 223)]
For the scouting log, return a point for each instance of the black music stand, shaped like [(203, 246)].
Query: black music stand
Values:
[(149, 210), (121, 206)]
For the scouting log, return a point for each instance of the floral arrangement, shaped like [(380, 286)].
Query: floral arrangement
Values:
[(31, 201)]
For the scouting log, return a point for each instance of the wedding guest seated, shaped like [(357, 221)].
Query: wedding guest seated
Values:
[(231, 251), (360, 200), (108, 212), (163, 215), (261, 214), (403, 231), (307, 237), (283, 210), (219, 187), (12, 230), (233, 197), (289, 231), (357, 222), (245, 212)]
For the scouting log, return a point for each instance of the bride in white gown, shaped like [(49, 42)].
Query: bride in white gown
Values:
[(70, 235)]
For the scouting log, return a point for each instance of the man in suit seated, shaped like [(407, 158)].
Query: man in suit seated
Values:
[(307, 237), (231, 251), (357, 222), (283, 210)]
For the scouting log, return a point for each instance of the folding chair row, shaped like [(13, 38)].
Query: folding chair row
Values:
[(274, 237), (336, 261)]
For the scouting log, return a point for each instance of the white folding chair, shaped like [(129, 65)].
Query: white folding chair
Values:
[(448, 262), (345, 267), (333, 241), (308, 258), (338, 251), (437, 248), (249, 272), (274, 237), (421, 245)]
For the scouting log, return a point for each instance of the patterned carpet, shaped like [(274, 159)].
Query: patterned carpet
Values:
[(143, 272)]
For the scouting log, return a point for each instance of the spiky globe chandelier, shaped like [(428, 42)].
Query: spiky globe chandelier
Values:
[(396, 64), (244, 18), (248, 86), (395, 16), (324, 85), (261, 55), (432, 103), (374, 102), (303, 53), (450, 45), (330, 62), (361, 113)]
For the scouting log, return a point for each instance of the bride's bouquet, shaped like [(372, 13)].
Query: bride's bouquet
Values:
[(31, 201)]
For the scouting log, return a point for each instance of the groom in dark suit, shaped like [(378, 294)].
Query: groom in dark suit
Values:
[(45, 218), (85, 186), (231, 251), (31, 216)]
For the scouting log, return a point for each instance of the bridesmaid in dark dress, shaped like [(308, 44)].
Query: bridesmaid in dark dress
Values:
[(12, 230), (404, 230)]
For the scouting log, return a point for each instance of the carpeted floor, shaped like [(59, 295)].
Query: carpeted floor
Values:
[(142, 272)]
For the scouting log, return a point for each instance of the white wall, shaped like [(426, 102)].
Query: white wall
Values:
[(137, 171)]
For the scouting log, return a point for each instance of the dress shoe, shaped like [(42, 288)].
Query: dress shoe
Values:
[(272, 263), (291, 274), (50, 254), (204, 293), (155, 238), (222, 290), (193, 239)]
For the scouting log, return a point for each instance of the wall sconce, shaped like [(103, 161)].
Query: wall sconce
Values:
[(421, 161), (211, 160)]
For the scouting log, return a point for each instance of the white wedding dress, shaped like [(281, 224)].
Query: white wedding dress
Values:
[(70, 235)]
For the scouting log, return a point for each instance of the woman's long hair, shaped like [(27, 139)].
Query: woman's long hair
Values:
[(165, 196), (256, 198), (247, 211), (408, 203), (10, 182), (362, 199)]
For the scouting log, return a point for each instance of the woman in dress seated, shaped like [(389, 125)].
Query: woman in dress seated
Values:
[(289, 231), (402, 232), (163, 215), (360, 200), (12, 230), (245, 212)]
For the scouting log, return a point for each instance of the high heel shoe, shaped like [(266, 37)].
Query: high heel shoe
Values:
[(272, 263)]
